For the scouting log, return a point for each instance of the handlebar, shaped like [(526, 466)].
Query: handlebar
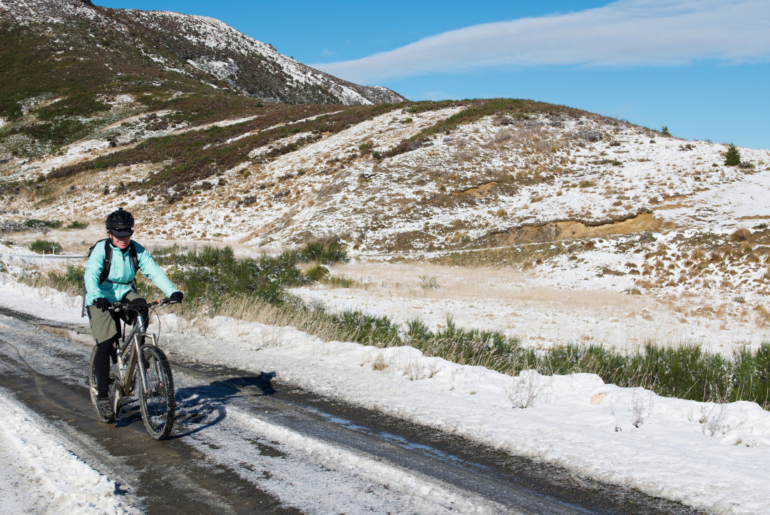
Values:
[(120, 306)]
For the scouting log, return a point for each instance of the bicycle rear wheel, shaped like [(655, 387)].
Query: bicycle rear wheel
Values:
[(157, 402), (95, 392)]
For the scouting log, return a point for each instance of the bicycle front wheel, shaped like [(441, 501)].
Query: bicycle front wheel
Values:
[(157, 402)]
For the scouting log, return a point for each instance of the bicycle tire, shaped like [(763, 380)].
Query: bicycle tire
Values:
[(95, 392), (159, 403)]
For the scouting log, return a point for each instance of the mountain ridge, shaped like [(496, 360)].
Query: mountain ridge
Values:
[(173, 41)]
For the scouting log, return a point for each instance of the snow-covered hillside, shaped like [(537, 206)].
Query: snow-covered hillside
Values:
[(483, 184), (181, 43), (230, 55)]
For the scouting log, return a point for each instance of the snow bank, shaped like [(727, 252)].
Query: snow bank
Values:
[(671, 448), (39, 475), (48, 303)]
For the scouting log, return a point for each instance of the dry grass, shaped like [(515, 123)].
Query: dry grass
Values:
[(40, 277), (515, 302), (506, 286), (256, 310)]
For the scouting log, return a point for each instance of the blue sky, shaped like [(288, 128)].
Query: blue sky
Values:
[(701, 67)]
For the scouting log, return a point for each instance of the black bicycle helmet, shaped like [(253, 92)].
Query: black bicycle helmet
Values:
[(120, 223)]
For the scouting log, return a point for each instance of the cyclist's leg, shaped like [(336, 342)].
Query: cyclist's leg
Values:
[(104, 329)]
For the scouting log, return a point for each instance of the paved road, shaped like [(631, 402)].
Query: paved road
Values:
[(246, 443)]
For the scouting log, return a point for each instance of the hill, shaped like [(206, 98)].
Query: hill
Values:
[(448, 181), (84, 50)]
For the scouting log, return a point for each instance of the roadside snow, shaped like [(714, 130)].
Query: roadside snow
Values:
[(39, 475), (665, 447), (706, 455)]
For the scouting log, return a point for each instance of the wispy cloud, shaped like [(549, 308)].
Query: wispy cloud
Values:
[(623, 33)]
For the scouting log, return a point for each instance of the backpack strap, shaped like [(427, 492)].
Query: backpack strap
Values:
[(102, 276), (133, 256), (107, 261)]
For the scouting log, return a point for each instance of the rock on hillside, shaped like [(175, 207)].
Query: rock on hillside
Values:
[(187, 46)]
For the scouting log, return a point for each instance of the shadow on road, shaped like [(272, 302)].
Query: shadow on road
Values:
[(200, 407)]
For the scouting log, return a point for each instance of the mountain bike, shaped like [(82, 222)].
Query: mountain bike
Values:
[(148, 378)]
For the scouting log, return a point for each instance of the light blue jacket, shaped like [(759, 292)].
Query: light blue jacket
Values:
[(121, 271)]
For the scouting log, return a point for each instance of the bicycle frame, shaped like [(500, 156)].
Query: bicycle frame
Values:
[(128, 352)]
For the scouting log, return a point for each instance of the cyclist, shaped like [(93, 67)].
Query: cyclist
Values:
[(103, 287)]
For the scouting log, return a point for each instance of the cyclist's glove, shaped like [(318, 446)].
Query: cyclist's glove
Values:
[(177, 296), (102, 303)]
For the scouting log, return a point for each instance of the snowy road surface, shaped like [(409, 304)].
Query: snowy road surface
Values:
[(245, 443)]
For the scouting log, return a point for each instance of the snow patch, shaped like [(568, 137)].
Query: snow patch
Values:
[(39, 474)]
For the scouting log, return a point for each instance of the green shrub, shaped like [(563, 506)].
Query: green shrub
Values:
[(316, 273), (45, 247), (314, 251), (212, 276), (39, 224), (81, 103), (324, 252), (750, 377), (77, 225), (73, 276), (366, 329), (664, 131), (341, 282), (733, 156), (58, 132)]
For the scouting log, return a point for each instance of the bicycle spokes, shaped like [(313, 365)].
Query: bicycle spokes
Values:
[(157, 393)]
